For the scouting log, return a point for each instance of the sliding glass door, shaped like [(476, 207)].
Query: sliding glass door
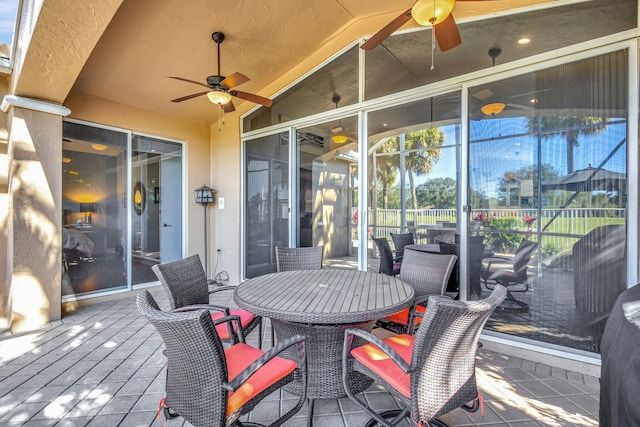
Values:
[(266, 178), (548, 164), (122, 209)]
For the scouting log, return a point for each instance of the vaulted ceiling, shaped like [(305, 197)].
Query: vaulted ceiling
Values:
[(146, 42)]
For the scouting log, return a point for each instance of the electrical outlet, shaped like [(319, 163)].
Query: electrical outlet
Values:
[(220, 202)]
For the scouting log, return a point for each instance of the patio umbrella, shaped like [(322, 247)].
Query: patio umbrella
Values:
[(589, 179)]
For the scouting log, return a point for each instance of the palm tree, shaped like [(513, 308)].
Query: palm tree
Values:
[(570, 127), (387, 166), (423, 149)]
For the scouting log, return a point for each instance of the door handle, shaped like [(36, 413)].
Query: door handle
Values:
[(166, 225)]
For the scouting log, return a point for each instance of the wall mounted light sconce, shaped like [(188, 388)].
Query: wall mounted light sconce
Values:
[(204, 196)]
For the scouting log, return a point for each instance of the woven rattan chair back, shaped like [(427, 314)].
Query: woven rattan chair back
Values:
[(386, 256), (428, 273), (400, 240), (184, 281), (196, 357), (288, 259), (443, 358)]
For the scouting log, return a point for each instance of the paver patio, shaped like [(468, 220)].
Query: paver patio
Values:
[(103, 366)]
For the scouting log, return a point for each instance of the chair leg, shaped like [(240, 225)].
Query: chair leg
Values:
[(517, 304), (396, 415), (273, 336), (310, 414), (259, 328)]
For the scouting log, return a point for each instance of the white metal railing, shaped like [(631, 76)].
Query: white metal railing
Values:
[(574, 222)]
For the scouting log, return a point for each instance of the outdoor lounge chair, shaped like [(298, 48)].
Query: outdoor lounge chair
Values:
[(210, 386), (429, 374), (511, 273), (388, 265), (185, 283), (428, 274)]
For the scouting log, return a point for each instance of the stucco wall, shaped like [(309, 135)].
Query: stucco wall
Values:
[(194, 135)]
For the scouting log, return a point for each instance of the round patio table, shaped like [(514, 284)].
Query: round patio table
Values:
[(321, 304)]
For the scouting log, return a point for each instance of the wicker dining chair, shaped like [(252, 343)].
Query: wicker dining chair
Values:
[(388, 264), (430, 373), (185, 283), (288, 259), (208, 385), (400, 240), (428, 274)]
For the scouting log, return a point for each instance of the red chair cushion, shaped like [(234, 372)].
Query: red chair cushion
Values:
[(402, 317), (240, 356), (371, 357), (223, 330)]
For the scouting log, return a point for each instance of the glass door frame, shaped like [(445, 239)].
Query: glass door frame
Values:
[(127, 194)]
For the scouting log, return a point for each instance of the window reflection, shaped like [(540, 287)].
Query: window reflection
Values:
[(551, 168)]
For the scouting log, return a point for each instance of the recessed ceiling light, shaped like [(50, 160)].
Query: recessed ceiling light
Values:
[(533, 100), (385, 125), (524, 40)]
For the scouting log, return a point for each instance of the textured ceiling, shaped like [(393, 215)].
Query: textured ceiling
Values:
[(148, 41)]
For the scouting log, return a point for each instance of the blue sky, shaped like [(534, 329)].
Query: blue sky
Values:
[(491, 159), (8, 10)]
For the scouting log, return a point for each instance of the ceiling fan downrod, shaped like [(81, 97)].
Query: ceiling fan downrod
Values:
[(218, 37)]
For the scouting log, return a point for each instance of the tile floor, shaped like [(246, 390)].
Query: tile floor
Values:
[(103, 366)]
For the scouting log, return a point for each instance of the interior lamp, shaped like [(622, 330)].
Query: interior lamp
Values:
[(431, 12), (492, 109), (88, 209), (339, 139), (219, 97), (98, 147)]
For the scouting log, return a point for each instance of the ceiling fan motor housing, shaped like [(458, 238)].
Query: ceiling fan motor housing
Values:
[(214, 82)]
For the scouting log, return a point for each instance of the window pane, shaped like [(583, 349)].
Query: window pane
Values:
[(314, 94), (93, 216), (327, 160), (551, 168), (420, 194), (267, 202), (404, 60)]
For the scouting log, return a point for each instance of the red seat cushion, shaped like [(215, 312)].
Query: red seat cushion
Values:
[(402, 317), (223, 330), (371, 357), (240, 356)]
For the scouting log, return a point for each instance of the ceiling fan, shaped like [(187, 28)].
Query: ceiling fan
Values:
[(425, 12), (220, 88)]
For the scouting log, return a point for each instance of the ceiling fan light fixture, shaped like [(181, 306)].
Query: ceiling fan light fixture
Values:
[(219, 97), (492, 109), (431, 12), (339, 139)]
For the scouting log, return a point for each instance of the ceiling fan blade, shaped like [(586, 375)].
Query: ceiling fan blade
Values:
[(188, 81), (193, 95), (447, 34), (251, 97), (387, 30), (234, 80), (229, 107)]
